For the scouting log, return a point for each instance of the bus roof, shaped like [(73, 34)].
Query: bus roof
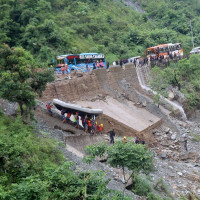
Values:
[(82, 55), (163, 45), (61, 57), (91, 54)]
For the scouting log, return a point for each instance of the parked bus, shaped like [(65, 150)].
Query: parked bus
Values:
[(79, 61), (165, 50)]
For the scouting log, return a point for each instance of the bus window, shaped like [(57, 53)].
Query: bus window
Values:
[(150, 52), (71, 61), (81, 61), (60, 61), (178, 47)]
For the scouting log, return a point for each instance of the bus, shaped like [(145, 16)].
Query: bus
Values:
[(165, 50), (78, 61)]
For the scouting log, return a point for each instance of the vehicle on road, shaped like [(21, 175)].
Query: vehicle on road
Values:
[(79, 61), (165, 50), (196, 50)]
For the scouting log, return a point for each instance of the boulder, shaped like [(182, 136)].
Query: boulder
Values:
[(171, 96), (167, 130), (173, 136), (144, 104)]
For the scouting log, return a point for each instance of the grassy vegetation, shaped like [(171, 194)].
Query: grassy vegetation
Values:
[(196, 137)]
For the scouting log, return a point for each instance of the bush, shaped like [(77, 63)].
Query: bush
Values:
[(152, 196), (141, 186)]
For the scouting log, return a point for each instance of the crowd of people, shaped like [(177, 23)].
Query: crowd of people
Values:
[(157, 59), (140, 61), (89, 125)]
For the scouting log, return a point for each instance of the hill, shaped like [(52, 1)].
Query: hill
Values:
[(47, 28)]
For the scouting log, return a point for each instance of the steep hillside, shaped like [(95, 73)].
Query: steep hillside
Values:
[(48, 28)]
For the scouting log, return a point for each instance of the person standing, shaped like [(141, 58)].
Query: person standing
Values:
[(87, 67), (121, 63), (101, 64), (108, 65), (77, 120), (63, 115), (52, 69), (93, 124), (134, 62), (89, 125), (68, 117), (66, 68), (48, 106), (124, 140), (98, 64), (94, 65), (63, 70), (100, 128), (112, 135), (137, 141)]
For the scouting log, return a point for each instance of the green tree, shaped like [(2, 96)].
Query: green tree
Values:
[(158, 83), (20, 79), (134, 157)]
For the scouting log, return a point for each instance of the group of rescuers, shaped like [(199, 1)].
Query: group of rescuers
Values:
[(89, 125)]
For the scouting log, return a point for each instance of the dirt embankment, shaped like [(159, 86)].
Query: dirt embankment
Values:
[(117, 82)]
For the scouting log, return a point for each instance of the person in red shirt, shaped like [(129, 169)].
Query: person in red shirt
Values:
[(48, 106), (62, 69), (68, 117), (89, 126)]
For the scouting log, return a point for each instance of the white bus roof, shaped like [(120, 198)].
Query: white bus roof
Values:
[(171, 44), (136, 57), (90, 54)]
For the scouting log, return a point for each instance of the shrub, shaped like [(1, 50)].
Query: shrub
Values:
[(152, 196), (141, 186)]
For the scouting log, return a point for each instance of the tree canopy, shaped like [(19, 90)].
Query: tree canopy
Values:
[(20, 79), (49, 28), (131, 156)]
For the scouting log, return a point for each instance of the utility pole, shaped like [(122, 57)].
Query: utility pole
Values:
[(192, 34)]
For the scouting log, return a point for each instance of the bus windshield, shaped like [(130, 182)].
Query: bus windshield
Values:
[(81, 61), (150, 52)]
